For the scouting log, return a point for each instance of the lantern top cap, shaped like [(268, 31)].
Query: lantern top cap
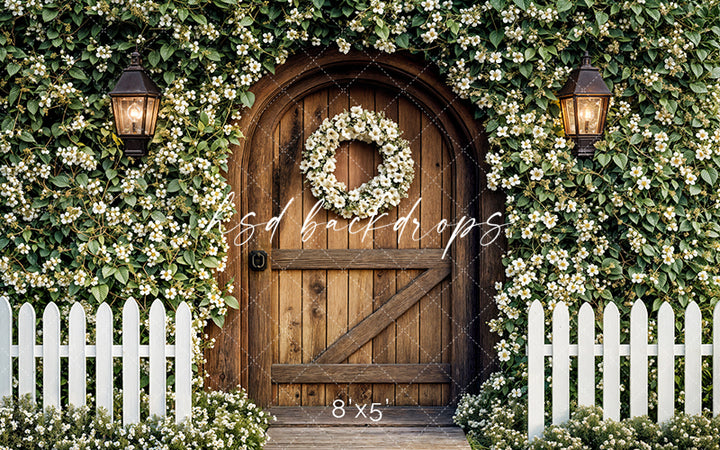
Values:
[(586, 81), (135, 60), (134, 81)]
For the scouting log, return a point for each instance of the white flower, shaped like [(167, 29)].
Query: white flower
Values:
[(99, 208), (643, 183), (496, 75), (536, 174), (343, 45)]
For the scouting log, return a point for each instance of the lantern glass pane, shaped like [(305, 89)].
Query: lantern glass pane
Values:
[(590, 113), (152, 113), (129, 112), (568, 114)]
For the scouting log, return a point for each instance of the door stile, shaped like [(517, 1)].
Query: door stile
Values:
[(384, 283), (360, 282), (314, 282)]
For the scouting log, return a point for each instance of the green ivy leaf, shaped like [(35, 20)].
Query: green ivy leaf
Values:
[(122, 275), (499, 5), (49, 14), (32, 106), (710, 175), (231, 302), (403, 40), (496, 37), (60, 181), (100, 292), (12, 69), (620, 160), (166, 51), (699, 87), (247, 98), (564, 5)]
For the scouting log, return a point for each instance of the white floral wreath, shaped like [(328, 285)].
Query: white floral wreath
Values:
[(375, 196)]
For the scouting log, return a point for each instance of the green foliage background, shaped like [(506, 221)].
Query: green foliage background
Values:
[(607, 218)]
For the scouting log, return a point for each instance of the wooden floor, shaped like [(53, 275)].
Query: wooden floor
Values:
[(315, 428)]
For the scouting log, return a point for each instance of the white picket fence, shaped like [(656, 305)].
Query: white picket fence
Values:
[(638, 350), (103, 351)]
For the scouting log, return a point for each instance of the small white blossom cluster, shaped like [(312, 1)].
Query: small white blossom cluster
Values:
[(218, 420), (395, 173)]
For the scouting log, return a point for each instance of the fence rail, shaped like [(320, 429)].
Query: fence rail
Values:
[(638, 350), (78, 351)]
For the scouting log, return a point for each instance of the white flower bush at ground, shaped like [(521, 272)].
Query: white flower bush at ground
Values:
[(639, 220), (375, 196), (219, 420)]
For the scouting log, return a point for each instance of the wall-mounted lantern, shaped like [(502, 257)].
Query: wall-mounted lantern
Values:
[(584, 101), (135, 102)]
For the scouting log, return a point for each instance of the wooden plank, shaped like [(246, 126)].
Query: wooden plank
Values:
[(638, 360), (611, 362), (716, 359), (536, 370), (158, 369), (396, 438), (448, 203), (288, 183), (586, 356), (131, 362), (693, 359), (666, 363), (392, 416), (361, 168), (430, 178), (77, 363), (560, 364), (384, 282), (361, 373), (407, 340), (314, 289), (337, 280), (104, 359), (275, 275), (183, 363), (393, 308), (6, 332), (51, 356), (345, 259), (26, 351)]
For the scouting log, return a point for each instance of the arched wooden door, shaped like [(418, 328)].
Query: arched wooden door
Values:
[(371, 312)]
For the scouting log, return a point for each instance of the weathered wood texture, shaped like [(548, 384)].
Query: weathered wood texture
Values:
[(361, 373), (334, 438), (373, 324), (323, 284), (374, 259)]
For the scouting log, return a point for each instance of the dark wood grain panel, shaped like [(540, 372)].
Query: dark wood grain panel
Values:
[(361, 373), (373, 324), (358, 259)]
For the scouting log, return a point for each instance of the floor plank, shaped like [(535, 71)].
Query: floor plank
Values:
[(392, 416), (390, 438)]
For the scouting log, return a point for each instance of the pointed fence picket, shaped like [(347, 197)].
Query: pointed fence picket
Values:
[(611, 350), (78, 351)]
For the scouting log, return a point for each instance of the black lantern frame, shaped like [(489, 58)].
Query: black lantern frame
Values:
[(584, 103), (135, 103)]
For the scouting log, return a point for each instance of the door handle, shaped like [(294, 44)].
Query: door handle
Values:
[(257, 260)]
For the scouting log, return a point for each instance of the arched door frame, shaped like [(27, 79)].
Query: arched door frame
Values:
[(240, 355)]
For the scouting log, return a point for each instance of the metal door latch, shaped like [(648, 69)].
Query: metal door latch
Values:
[(258, 260)]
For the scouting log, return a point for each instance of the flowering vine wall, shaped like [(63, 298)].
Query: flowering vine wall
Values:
[(639, 220)]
